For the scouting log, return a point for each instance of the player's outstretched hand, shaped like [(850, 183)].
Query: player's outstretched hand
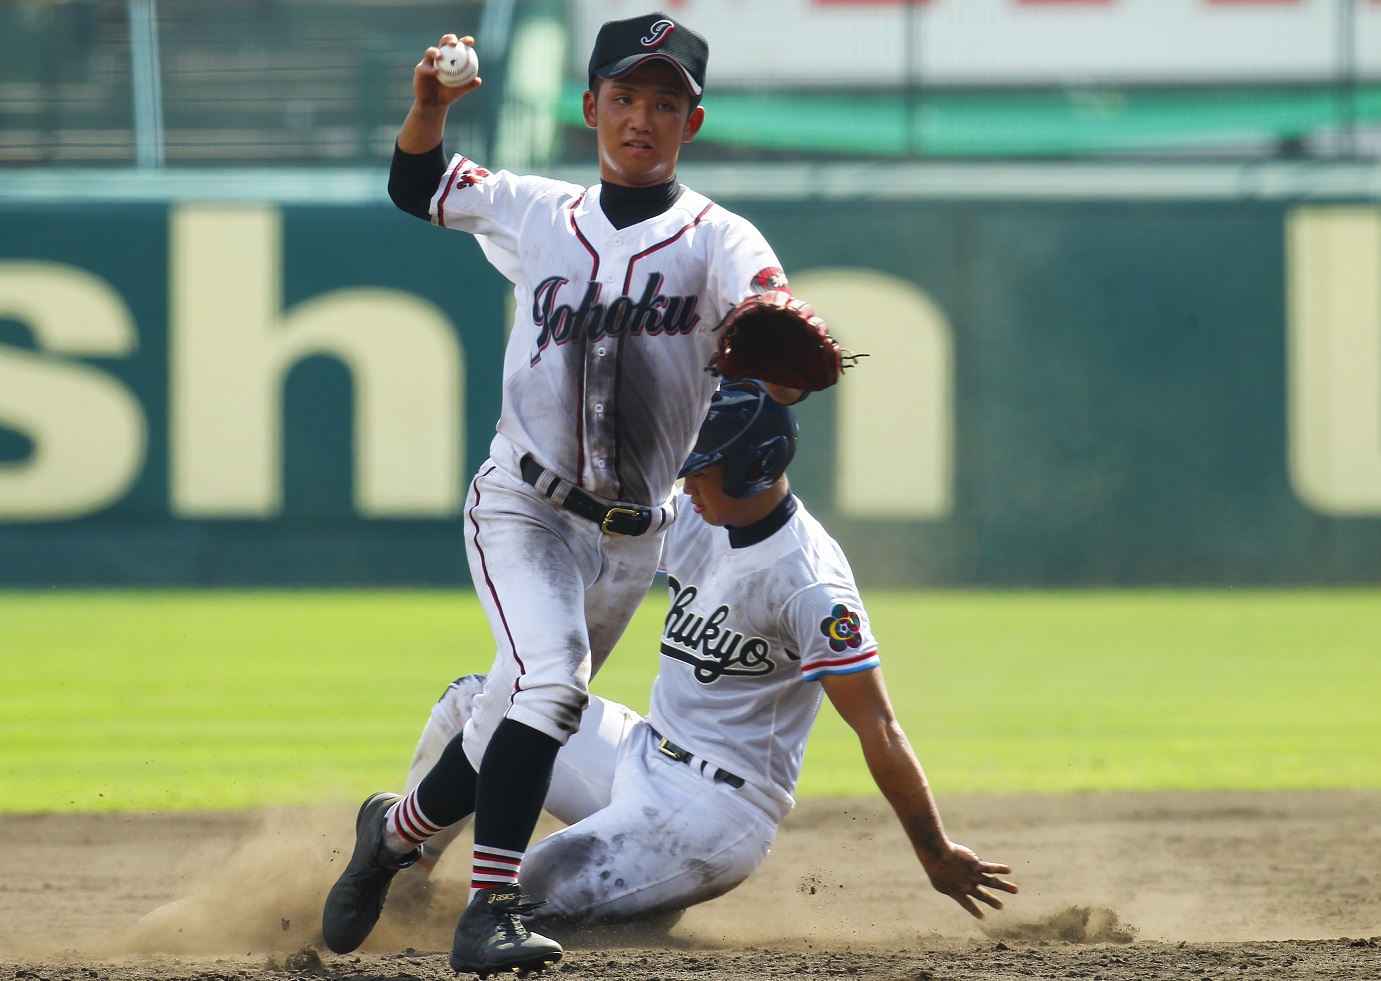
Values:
[(964, 877), (425, 86)]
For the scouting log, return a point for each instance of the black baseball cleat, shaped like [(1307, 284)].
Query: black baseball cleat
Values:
[(490, 936), (354, 903)]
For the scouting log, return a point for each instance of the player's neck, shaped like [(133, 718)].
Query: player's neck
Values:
[(624, 205), (779, 504)]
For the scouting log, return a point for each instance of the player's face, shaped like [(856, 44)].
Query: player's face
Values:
[(706, 490), (640, 120)]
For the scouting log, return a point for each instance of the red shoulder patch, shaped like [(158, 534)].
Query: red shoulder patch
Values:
[(769, 279), (471, 177)]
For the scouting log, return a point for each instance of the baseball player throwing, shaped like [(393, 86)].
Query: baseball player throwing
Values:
[(764, 619), (618, 289)]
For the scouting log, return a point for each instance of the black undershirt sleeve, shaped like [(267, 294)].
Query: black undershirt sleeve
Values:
[(413, 178)]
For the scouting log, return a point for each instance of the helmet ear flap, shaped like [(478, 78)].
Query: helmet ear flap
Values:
[(774, 455), (759, 467)]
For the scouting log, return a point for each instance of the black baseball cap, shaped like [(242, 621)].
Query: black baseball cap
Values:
[(623, 45)]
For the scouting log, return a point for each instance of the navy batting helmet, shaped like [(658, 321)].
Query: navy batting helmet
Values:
[(748, 431)]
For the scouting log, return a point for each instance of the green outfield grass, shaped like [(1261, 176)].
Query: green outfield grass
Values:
[(148, 700)]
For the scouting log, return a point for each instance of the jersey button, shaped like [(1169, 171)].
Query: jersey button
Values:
[(599, 351), (599, 407)]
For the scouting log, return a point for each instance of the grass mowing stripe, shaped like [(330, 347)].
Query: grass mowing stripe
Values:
[(1060, 692), (163, 700), (221, 699)]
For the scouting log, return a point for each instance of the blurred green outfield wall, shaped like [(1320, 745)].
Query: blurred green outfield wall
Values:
[(1113, 391)]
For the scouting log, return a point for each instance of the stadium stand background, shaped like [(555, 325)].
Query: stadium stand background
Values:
[(322, 83), (1116, 262)]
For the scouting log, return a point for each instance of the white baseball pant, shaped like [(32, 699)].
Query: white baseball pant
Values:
[(646, 834), (559, 594)]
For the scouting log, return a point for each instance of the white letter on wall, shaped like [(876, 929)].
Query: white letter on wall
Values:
[(1333, 262), (231, 347), (88, 431), (898, 406)]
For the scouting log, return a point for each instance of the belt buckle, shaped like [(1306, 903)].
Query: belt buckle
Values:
[(664, 747), (611, 515)]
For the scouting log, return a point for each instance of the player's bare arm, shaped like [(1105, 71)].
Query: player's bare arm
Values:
[(954, 870), (425, 124)]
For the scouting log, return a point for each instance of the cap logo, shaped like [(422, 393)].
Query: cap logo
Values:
[(658, 33)]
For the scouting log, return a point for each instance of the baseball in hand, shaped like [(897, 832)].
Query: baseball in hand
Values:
[(457, 65)]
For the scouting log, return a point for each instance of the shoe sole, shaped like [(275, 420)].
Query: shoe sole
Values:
[(522, 968)]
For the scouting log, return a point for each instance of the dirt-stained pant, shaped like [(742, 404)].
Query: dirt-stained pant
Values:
[(559, 594), (646, 834)]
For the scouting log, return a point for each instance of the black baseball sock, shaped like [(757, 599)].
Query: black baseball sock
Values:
[(512, 786), (447, 793)]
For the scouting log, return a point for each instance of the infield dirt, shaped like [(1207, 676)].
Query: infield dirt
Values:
[(1114, 886)]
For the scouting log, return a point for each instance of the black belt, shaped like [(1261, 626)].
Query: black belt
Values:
[(667, 748), (620, 519)]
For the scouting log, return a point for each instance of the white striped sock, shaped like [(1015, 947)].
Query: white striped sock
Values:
[(406, 826), (494, 867)]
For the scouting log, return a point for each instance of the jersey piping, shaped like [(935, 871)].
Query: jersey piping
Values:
[(493, 593)]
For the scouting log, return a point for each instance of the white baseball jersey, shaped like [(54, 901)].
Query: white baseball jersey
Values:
[(747, 632), (604, 378)]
